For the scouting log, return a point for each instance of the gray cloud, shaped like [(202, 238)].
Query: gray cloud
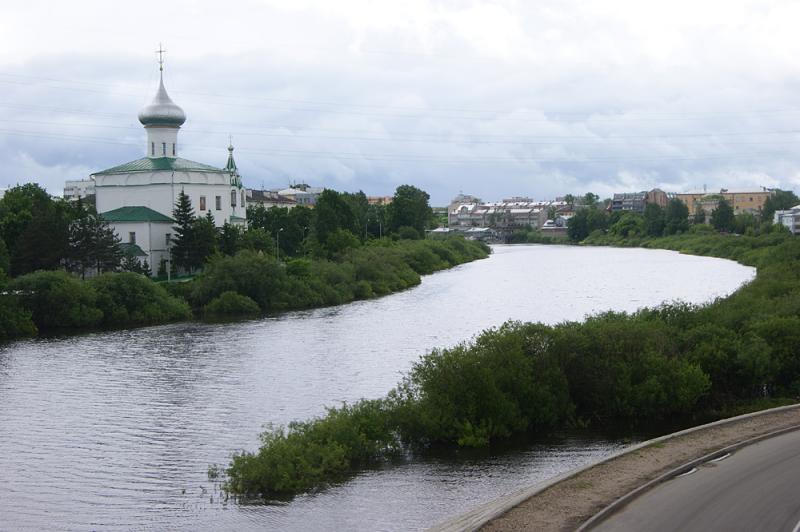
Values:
[(491, 98)]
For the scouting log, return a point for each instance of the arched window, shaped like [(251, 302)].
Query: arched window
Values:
[(233, 198), (173, 149), (164, 149), (153, 149), (242, 203)]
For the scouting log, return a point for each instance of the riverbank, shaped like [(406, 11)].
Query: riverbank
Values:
[(613, 368), (568, 501), (245, 285)]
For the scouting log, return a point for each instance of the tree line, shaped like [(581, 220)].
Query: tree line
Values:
[(63, 268)]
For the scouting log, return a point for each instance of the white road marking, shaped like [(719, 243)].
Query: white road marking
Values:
[(694, 470), (796, 527), (721, 458)]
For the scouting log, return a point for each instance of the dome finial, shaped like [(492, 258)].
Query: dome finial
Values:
[(160, 53), (162, 111)]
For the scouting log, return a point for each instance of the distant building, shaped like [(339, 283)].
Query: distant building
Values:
[(637, 201), (789, 218), (503, 216), (302, 194), (269, 199), (742, 202), (78, 188), (379, 200)]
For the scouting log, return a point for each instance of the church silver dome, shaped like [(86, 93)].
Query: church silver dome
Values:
[(162, 111)]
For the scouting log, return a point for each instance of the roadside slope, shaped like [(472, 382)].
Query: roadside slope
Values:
[(567, 501)]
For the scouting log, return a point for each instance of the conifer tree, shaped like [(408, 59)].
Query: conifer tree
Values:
[(183, 240)]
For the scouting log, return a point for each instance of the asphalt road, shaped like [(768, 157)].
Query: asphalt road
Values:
[(755, 489)]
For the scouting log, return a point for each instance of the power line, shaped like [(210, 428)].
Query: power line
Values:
[(353, 156), (475, 114)]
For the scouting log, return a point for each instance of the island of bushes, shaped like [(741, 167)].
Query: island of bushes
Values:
[(343, 250), (675, 361)]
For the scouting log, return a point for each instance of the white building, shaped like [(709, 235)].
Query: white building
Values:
[(138, 197), (78, 188), (302, 194), (789, 218)]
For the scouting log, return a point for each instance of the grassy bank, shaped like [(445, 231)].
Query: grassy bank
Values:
[(674, 360), (246, 284)]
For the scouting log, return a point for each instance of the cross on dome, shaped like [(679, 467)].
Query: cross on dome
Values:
[(160, 53)]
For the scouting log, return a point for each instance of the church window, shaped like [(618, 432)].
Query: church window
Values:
[(164, 149), (153, 149), (132, 237), (219, 202), (168, 239), (242, 203), (233, 198), (173, 149), (202, 203)]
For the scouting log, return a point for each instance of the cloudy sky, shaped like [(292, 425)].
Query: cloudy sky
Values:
[(535, 98)]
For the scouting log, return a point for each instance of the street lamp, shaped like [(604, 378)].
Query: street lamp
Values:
[(278, 244)]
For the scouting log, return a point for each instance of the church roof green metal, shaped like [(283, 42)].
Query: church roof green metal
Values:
[(135, 213), (156, 164), (132, 249)]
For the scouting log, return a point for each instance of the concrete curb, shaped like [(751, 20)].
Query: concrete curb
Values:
[(629, 497), (479, 516)]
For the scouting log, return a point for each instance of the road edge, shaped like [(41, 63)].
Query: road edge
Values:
[(632, 495), (481, 515)]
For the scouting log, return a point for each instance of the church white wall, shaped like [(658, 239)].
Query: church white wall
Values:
[(162, 141), (151, 237), (157, 192)]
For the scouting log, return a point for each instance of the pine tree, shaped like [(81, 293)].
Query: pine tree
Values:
[(183, 240), (92, 243)]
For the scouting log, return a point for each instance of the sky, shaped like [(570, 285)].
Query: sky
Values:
[(535, 98)]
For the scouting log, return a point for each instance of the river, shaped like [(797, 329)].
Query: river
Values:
[(116, 430)]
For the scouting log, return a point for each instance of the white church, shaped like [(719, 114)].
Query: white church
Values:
[(137, 198)]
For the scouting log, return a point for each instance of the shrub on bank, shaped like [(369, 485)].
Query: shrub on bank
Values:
[(57, 300), (230, 304), (126, 298)]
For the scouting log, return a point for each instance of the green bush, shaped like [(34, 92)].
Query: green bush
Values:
[(127, 298), (314, 453), (230, 304), (56, 300)]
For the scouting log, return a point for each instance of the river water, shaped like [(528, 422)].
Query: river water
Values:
[(116, 430)]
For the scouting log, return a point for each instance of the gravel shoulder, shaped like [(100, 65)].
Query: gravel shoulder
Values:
[(566, 504)]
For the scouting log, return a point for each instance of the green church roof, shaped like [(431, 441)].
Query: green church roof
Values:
[(135, 214), (132, 250), (148, 164)]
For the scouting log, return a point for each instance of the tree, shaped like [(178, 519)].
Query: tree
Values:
[(204, 242), (584, 221), (654, 219), (92, 242), (34, 227), (409, 207), (722, 218), (630, 225), (230, 237), (778, 201), (332, 212), (183, 239), (676, 219), (18, 207), (590, 199), (699, 216)]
